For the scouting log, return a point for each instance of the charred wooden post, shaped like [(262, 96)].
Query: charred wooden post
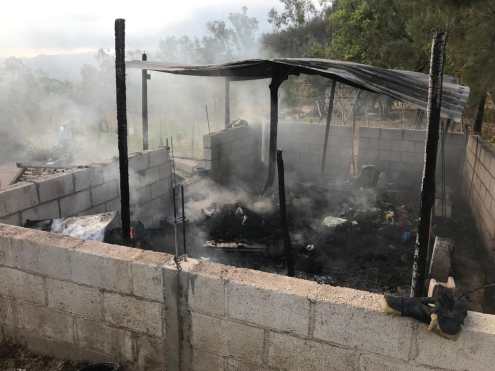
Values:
[(227, 102), (418, 282), (283, 215), (327, 128), (122, 127), (478, 122), (144, 83), (278, 77)]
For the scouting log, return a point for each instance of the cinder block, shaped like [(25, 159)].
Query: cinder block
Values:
[(369, 362), (227, 338), (415, 135), (95, 210), (369, 132), (359, 322), (57, 186), (14, 219), (407, 146), (110, 172), (17, 197), (105, 192), (207, 288), (135, 314), (150, 354), (160, 188), (204, 361), (291, 353), (158, 157), (99, 337), (152, 175), (283, 305), (113, 205), (473, 350), (147, 277), (46, 322), (103, 266), (74, 204), (74, 298), (7, 313), (82, 179), (96, 175), (44, 211), (21, 286), (139, 161), (391, 134), (165, 171), (140, 195), (44, 253), (8, 235)]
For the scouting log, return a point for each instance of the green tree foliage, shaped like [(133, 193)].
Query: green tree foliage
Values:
[(392, 34), (224, 41)]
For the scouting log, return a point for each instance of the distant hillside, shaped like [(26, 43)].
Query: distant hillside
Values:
[(62, 66)]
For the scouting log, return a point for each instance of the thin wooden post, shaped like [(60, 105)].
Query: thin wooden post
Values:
[(418, 282), (283, 215), (277, 79), (327, 128), (478, 123), (144, 106), (227, 102), (122, 127)]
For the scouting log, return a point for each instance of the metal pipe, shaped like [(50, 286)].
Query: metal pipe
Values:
[(277, 79), (418, 281), (122, 127), (144, 104), (327, 128), (283, 214)]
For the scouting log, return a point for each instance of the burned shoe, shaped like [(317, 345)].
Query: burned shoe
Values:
[(417, 308)]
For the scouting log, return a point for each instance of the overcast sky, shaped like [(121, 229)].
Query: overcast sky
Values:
[(32, 27)]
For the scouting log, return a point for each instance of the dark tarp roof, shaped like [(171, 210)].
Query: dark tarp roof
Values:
[(406, 86)]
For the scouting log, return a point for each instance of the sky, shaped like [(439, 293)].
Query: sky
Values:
[(33, 27)]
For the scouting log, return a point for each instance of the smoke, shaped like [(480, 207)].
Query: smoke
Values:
[(205, 196)]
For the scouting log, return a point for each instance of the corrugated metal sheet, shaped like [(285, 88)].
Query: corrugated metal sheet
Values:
[(406, 86)]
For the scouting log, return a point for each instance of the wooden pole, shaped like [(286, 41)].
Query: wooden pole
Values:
[(355, 137), (478, 123), (144, 83), (227, 102), (122, 127), (418, 282), (327, 128), (277, 79), (283, 215)]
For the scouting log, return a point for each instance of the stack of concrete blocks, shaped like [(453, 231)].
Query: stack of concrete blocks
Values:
[(233, 154), (93, 190), (479, 188), (89, 300)]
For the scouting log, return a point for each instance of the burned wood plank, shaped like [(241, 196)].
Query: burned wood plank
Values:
[(418, 287), (122, 127)]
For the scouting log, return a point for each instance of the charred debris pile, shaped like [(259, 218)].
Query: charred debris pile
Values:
[(357, 234)]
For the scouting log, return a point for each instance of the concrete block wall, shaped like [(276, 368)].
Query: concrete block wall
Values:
[(234, 153), (479, 188), (90, 300), (93, 190), (398, 152), (82, 300)]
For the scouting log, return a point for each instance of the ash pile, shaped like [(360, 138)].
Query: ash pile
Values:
[(357, 234)]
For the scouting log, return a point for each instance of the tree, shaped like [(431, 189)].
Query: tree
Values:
[(225, 40)]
